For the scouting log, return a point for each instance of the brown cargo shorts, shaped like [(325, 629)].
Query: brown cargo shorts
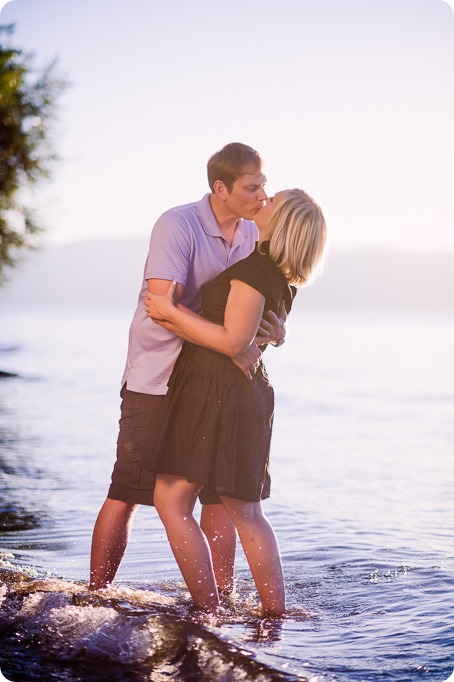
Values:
[(141, 415)]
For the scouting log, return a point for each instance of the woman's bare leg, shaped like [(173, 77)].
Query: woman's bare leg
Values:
[(262, 552), (220, 532), (174, 498)]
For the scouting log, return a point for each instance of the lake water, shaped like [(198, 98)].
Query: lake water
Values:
[(362, 503)]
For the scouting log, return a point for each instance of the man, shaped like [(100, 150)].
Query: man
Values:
[(189, 244)]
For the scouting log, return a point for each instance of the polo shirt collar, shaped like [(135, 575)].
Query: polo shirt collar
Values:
[(210, 226)]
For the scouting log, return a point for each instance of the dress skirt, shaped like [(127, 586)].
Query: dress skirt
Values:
[(217, 426)]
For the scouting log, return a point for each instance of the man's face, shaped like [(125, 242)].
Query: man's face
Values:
[(247, 195)]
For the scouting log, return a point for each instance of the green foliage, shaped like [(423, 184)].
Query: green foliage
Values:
[(27, 107)]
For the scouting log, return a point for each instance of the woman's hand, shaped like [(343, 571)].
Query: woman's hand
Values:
[(158, 306)]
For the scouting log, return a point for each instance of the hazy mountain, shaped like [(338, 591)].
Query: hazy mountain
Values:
[(109, 271)]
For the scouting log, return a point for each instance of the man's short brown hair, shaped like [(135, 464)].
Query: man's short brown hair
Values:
[(232, 161)]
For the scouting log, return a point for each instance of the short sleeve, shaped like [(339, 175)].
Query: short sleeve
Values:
[(170, 249), (289, 297)]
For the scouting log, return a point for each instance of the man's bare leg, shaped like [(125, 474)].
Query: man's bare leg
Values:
[(221, 535), (110, 539)]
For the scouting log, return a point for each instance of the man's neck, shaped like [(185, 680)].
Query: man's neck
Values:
[(227, 222)]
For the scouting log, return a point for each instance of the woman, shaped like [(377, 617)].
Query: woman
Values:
[(218, 426)]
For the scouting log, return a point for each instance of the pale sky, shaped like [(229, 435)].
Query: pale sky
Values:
[(352, 100)]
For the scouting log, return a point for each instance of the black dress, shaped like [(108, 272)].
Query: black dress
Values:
[(217, 424)]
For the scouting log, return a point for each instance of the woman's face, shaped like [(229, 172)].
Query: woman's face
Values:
[(261, 218)]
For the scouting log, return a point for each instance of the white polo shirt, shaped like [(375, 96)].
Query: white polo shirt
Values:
[(186, 245)]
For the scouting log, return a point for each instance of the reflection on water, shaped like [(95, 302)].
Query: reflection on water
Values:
[(361, 503), (13, 516)]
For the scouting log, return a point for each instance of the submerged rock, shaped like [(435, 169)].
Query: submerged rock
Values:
[(14, 519)]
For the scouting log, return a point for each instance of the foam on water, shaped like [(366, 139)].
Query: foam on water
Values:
[(139, 631)]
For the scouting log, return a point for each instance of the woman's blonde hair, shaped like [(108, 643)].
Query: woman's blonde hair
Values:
[(296, 232)]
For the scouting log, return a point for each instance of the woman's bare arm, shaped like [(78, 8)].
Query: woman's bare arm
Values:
[(243, 312)]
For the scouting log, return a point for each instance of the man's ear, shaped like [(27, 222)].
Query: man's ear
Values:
[(220, 190)]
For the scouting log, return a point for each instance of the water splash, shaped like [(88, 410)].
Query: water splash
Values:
[(141, 633)]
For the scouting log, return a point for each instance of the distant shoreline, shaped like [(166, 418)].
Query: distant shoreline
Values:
[(110, 271)]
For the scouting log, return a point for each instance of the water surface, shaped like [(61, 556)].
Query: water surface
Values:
[(362, 503)]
